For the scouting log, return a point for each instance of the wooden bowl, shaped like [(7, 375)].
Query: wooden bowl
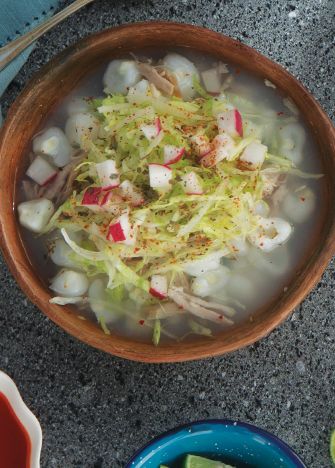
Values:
[(56, 80)]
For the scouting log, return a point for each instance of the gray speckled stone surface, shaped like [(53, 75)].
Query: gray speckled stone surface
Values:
[(95, 410)]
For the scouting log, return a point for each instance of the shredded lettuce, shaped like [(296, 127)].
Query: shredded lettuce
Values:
[(172, 228)]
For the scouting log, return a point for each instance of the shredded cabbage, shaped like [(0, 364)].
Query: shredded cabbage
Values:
[(172, 228)]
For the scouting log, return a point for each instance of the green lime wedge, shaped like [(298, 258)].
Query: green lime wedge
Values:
[(332, 446), (193, 461)]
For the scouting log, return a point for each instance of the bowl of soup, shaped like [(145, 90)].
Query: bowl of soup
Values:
[(218, 443), (166, 192)]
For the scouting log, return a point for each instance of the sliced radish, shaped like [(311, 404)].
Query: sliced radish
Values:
[(121, 231), (105, 198), (158, 286), (212, 81), (201, 145), (149, 131), (230, 122), (108, 174), (172, 154), (91, 196), (158, 124), (152, 131), (160, 176), (116, 232), (254, 154), (131, 193), (192, 184), (222, 146), (41, 172)]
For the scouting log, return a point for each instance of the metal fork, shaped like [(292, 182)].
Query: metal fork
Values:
[(14, 48)]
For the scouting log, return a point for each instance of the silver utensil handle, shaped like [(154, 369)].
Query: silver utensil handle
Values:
[(14, 48)]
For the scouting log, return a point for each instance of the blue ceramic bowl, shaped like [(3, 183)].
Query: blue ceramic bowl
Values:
[(238, 444)]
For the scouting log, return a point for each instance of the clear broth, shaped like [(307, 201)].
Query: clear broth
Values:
[(258, 285)]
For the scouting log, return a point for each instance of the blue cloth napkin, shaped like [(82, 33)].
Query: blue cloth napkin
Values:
[(16, 18)]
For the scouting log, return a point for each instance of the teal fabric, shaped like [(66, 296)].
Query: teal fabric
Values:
[(16, 18)]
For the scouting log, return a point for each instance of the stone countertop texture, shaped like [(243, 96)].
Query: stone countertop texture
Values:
[(96, 410)]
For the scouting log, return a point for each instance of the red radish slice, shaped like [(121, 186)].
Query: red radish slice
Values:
[(158, 125), (108, 174), (158, 286), (159, 176), (212, 81), (152, 131), (41, 172), (105, 198), (116, 233), (172, 154), (201, 145), (149, 131), (130, 192), (121, 230), (91, 196), (230, 122), (191, 184), (222, 147), (238, 123)]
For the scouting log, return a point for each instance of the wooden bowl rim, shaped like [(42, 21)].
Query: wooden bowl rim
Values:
[(88, 332)]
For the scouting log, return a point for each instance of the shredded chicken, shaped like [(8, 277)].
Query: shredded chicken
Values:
[(212, 305), (195, 306), (164, 310), (152, 75), (61, 188), (222, 68), (52, 190), (181, 280), (30, 190), (227, 82), (279, 195)]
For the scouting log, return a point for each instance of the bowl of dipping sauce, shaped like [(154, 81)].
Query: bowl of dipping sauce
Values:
[(229, 443), (20, 431)]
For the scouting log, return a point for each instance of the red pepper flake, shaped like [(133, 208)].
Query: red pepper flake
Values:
[(280, 113), (141, 322), (302, 198), (220, 317)]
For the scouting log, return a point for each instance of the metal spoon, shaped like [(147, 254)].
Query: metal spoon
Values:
[(14, 48)]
